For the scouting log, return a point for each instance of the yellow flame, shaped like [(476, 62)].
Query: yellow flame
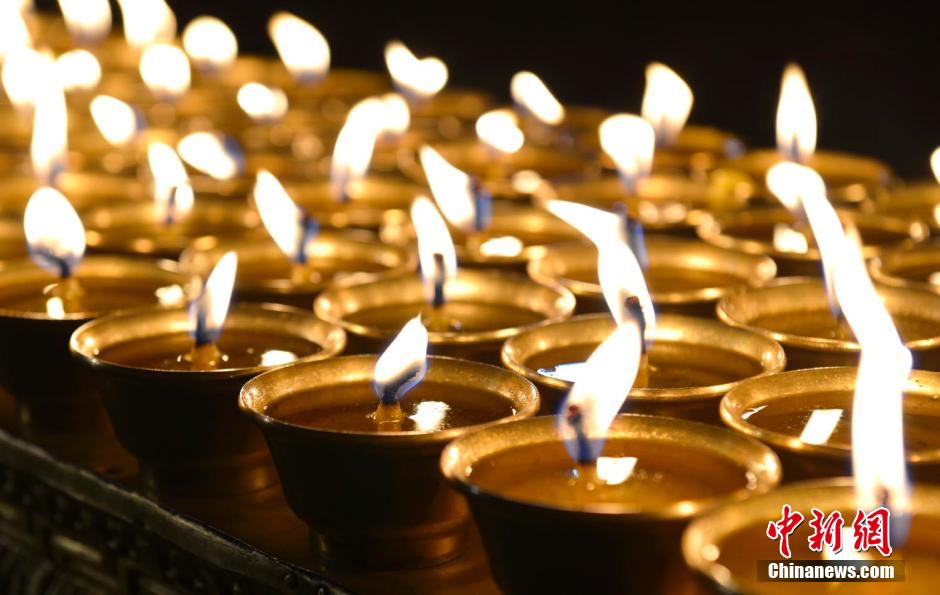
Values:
[(787, 239), (116, 120), (24, 74), (499, 129), (452, 189), (530, 92), (14, 33), (217, 294), (404, 362), (49, 147), (396, 115), (207, 152), (667, 102), (55, 234), (281, 216), (302, 48), (630, 142), (602, 388), (433, 239), (621, 277), (355, 144), (78, 70), (165, 70), (262, 103), (168, 174), (210, 44), (147, 22), (796, 117), (423, 77), (935, 163), (88, 21)]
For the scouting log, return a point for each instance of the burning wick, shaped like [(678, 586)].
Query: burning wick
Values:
[(634, 309), (634, 234), (398, 370), (207, 314), (438, 261), (56, 239), (291, 227)]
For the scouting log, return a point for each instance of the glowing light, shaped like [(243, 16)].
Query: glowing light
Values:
[(429, 415), (49, 147), (436, 252), (796, 117), (25, 72), (615, 470), (165, 70), (302, 48), (820, 426), (935, 163), (213, 154), (169, 175), (210, 44), (355, 144), (630, 142), (422, 78), (530, 92), (118, 122), (262, 103), (14, 34), (288, 224), (396, 116), (88, 21), (621, 278), (507, 246), (787, 239), (499, 129), (453, 190), (403, 364), (54, 233), (147, 22), (667, 102), (208, 311), (78, 70), (277, 357)]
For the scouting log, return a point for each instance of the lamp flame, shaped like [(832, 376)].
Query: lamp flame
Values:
[(214, 154), (436, 252), (355, 144), (935, 163), (302, 48), (118, 122), (78, 70), (14, 34), (210, 44), (403, 364), (147, 22), (208, 311), (599, 392), (262, 104), (530, 92), (49, 147), (454, 192), (396, 115), (667, 102), (787, 239), (796, 117), (168, 174), (289, 225), (54, 233), (499, 129), (24, 73), (621, 280), (595, 224), (88, 21), (630, 141), (164, 68), (420, 78)]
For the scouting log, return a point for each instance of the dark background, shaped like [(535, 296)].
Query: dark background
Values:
[(873, 70)]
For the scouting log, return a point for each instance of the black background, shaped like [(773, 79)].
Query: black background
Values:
[(873, 70)]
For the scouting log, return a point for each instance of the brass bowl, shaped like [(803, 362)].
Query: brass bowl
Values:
[(12, 239), (684, 276), (84, 189), (725, 545), (694, 362), (697, 149), (369, 198), (917, 201), (910, 268), (753, 231), (184, 426), (794, 311), (622, 550), (798, 393), (374, 499), (265, 274), (492, 290)]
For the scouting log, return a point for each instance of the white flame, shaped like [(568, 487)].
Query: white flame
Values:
[(302, 48), (118, 122), (630, 142), (506, 246), (396, 115), (88, 21), (49, 148), (25, 72), (433, 239), (168, 174), (452, 189), (530, 92), (207, 315), (211, 153), (595, 224), (403, 364), (935, 163), (621, 277), (210, 44), (164, 68), (54, 232), (667, 102), (499, 129), (597, 395), (787, 239), (262, 103), (14, 34), (147, 22), (796, 117), (78, 70), (283, 219), (423, 77), (355, 144)]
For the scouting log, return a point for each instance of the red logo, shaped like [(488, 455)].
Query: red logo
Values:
[(871, 530)]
